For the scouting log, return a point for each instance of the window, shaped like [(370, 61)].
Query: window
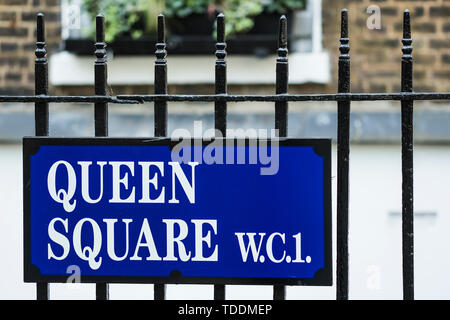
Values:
[(187, 56)]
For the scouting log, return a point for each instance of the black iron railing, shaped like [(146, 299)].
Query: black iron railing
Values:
[(160, 98)]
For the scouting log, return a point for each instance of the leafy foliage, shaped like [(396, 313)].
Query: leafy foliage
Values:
[(132, 17), (184, 8), (138, 17), (239, 13), (282, 6)]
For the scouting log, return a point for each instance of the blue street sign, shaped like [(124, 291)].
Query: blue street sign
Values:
[(154, 210)]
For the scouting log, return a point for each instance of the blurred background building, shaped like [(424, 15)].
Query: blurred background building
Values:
[(375, 176)]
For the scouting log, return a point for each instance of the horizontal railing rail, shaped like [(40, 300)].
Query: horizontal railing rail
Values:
[(139, 99)]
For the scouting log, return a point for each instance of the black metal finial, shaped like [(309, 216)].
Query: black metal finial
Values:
[(40, 24), (281, 107), (41, 52), (344, 47), (221, 46), (161, 28), (100, 28), (160, 115), (100, 71), (220, 27), (41, 74), (344, 23), (407, 40), (406, 24), (41, 108), (221, 54), (100, 45), (282, 33), (161, 52), (282, 40)]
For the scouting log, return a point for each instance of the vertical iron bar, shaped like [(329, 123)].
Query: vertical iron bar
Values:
[(101, 291), (41, 78), (407, 163), (281, 108), (343, 152), (160, 87), (279, 292), (41, 110), (101, 109), (160, 81), (220, 107), (159, 291), (43, 291)]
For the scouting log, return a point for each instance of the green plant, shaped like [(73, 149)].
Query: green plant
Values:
[(184, 8), (138, 17), (132, 17), (283, 6), (239, 13)]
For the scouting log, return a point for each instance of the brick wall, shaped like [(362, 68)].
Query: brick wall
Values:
[(17, 41), (376, 54)]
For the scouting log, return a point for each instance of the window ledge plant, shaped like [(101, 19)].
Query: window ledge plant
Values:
[(189, 23)]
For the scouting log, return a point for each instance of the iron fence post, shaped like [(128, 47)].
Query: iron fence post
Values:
[(101, 109), (220, 107), (41, 117), (343, 152), (160, 87), (281, 107), (407, 162)]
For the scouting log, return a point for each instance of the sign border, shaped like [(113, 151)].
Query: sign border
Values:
[(31, 145)]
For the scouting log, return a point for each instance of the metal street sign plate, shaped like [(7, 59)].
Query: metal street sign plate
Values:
[(224, 211)]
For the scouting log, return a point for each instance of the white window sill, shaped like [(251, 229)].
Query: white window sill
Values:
[(67, 69)]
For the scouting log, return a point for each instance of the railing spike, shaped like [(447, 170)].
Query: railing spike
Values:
[(406, 24), (40, 26), (407, 40), (281, 86), (41, 78), (344, 23), (161, 28), (220, 27), (282, 34), (100, 27), (160, 87)]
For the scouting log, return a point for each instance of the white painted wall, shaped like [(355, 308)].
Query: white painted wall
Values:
[(375, 235)]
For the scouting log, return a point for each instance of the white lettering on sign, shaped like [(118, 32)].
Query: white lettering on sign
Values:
[(121, 189), (124, 238), (176, 246), (247, 244), (181, 243), (63, 196), (85, 180)]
